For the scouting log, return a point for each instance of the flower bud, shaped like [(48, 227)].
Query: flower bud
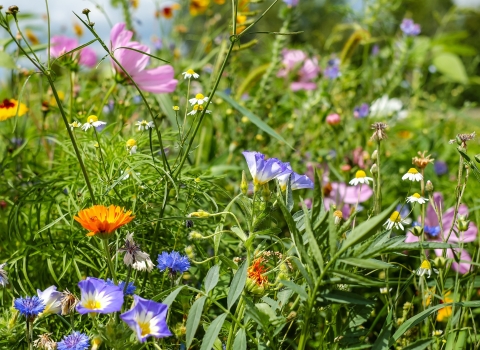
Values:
[(374, 155), (462, 223), (189, 251), (86, 11), (429, 186), (254, 288), (440, 262), (417, 231), (458, 139), (91, 24), (244, 183), (195, 235), (199, 214), (338, 216), (477, 158), (374, 169), (13, 9)]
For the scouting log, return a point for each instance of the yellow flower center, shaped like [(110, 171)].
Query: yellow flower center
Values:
[(191, 72), (426, 265), (412, 171), (199, 96), (176, 108), (395, 217), (416, 195), (92, 119), (144, 327), (198, 108), (131, 143), (92, 304), (359, 174), (338, 214)]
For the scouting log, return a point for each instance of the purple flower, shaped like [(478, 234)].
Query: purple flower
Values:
[(410, 28), (291, 3), (361, 111), (375, 50), (308, 71), (440, 167), (433, 233), (173, 261), (157, 80), (61, 44), (297, 181), (98, 296), (333, 69), (74, 341), (147, 318), (29, 307), (263, 170)]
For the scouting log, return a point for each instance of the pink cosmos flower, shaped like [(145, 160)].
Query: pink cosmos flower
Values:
[(61, 44), (433, 233), (309, 69), (157, 80)]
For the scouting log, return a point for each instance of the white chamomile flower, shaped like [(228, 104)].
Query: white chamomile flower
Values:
[(190, 73), (92, 121), (198, 108), (199, 99), (412, 175), (416, 198), (131, 146), (395, 220), (426, 268), (360, 178), (74, 125), (437, 333), (144, 125)]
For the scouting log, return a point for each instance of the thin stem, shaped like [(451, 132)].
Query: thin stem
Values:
[(105, 98), (239, 315), (378, 194), (127, 279), (109, 259), (48, 34), (72, 85)]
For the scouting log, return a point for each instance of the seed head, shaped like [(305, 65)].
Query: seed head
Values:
[(422, 161), (379, 133)]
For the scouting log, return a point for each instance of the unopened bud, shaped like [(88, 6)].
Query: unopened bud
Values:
[(429, 186), (462, 223), (91, 24), (440, 262), (458, 139), (244, 183), (374, 169), (189, 251), (417, 231), (13, 9), (86, 11), (477, 158), (199, 214), (237, 260), (338, 216), (374, 155), (195, 235), (384, 290)]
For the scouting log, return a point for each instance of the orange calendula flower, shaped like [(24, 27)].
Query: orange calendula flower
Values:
[(444, 313), (197, 7), (256, 271), (102, 221), (8, 109)]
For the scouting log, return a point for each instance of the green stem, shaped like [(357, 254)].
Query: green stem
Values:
[(105, 98), (127, 279), (378, 194), (109, 259), (72, 85), (233, 329), (48, 34), (126, 15)]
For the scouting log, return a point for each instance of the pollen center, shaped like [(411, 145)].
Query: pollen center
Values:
[(425, 265), (131, 142), (395, 217), (144, 327), (92, 119), (92, 304), (190, 71), (416, 195), (199, 96), (360, 174), (412, 171)]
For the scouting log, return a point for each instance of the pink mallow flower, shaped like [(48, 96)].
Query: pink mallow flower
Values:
[(61, 44), (344, 196), (433, 233), (157, 80), (306, 69)]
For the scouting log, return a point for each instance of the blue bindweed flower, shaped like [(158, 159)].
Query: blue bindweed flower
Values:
[(410, 28), (147, 318), (333, 69), (440, 167), (99, 297), (130, 289), (263, 170), (29, 307), (173, 261), (3, 275), (74, 341), (297, 181), (361, 111)]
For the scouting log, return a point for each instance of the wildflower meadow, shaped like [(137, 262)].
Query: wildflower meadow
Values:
[(244, 174)]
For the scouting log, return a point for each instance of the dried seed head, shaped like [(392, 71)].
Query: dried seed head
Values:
[(462, 139), (379, 133), (69, 301), (44, 342), (422, 161)]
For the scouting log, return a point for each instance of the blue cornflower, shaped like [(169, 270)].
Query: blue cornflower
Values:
[(410, 28), (440, 167), (333, 69), (130, 289), (74, 341), (173, 261), (432, 231), (361, 111), (29, 307)]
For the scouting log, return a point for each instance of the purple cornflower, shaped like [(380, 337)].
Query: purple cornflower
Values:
[(29, 307), (291, 3), (361, 111), (410, 28), (173, 261), (440, 167), (147, 318), (98, 296), (130, 289), (333, 69), (297, 181), (263, 170), (74, 341)]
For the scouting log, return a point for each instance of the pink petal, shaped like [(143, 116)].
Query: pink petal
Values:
[(119, 36), (299, 85), (132, 61), (350, 194), (88, 57), (61, 44), (411, 238), (158, 80), (463, 267)]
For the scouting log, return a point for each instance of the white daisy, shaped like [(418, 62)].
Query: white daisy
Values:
[(416, 198), (395, 220), (131, 146), (144, 125), (92, 121), (412, 175), (360, 178), (74, 125), (426, 268), (198, 108), (190, 73), (198, 99)]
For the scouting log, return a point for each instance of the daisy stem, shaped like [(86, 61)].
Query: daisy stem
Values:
[(378, 194), (109, 259)]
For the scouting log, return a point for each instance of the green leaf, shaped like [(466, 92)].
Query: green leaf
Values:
[(419, 344), (239, 232), (171, 297), (312, 241), (194, 319), (288, 195), (451, 66), (240, 342), (367, 263), (252, 117), (7, 61), (211, 279), (295, 288), (342, 297), (212, 332), (237, 285), (383, 338)]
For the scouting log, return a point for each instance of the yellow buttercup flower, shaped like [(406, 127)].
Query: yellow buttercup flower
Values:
[(197, 7), (8, 109)]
